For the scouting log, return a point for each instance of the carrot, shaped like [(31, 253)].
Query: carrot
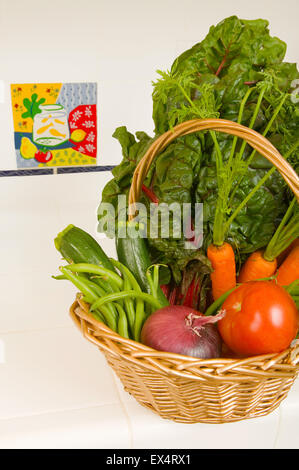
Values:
[(221, 253), (263, 264), (223, 263), (289, 270), (257, 267), (287, 251)]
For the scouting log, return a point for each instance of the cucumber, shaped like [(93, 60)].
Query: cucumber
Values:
[(133, 253), (77, 246)]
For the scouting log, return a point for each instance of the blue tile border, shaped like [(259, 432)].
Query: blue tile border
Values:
[(83, 169), (50, 171), (39, 171)]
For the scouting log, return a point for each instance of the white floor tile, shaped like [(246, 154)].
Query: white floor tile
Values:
[(102, 427), (151, 431), (52, 370)]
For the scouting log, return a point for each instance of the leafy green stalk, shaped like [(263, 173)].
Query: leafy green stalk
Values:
[(269, 125), (253, 119), (240, 115), (196, 100), (250, 158), (286, 233), (256, 188)]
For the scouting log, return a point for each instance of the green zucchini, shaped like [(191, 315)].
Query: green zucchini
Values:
[(133, 253), (77, 246)]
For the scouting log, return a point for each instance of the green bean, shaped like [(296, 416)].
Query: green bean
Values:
[(129, 304), (156, 276), (100, 293), (122, 295), (90, 295), (122, 322), (126, 273), (154, 281), (99, 316), (139, 320), (109, 286), (140, 313), (151, 283), (94, 269), (129, 281), (86, 290)]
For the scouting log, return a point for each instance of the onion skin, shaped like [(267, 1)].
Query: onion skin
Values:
[(182, 330)]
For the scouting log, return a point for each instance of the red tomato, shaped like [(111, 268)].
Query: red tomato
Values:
[(43, 157), (261, 317)]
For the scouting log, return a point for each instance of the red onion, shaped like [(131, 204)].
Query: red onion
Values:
[(182, 330)]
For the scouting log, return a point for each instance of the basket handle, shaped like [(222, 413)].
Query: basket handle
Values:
[(253, 138)]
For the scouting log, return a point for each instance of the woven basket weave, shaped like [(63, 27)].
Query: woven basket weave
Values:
[(182, 388)]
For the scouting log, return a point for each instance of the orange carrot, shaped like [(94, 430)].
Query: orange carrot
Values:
[(263, 264), (224, 268), (257, 267), (289, 270), (287, 251)]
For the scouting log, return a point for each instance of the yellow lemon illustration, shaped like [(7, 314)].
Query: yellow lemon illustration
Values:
[(78, 135), (27, 149)]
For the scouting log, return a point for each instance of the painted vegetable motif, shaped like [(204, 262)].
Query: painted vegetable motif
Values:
[(27, 149), (55, 118)]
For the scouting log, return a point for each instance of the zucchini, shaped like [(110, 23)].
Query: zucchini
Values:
[(133, 253), (77, 246)]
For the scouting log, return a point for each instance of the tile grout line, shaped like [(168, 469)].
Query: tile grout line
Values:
[(35, 330), (55, 170), (64, 410), (278, 427), (124, 410)]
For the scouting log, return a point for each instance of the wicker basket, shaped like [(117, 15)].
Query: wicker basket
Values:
[(183, 388)]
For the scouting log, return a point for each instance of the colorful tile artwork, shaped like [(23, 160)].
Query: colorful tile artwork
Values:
[(55, 124)]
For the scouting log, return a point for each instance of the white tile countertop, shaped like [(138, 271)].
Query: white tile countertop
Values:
[(56, 390)]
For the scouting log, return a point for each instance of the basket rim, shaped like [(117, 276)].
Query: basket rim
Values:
[(282, 365)]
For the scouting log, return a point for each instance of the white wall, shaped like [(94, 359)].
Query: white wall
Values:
[(119, 44)]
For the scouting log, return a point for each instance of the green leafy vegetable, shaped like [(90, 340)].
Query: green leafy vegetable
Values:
[(237, 73)]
